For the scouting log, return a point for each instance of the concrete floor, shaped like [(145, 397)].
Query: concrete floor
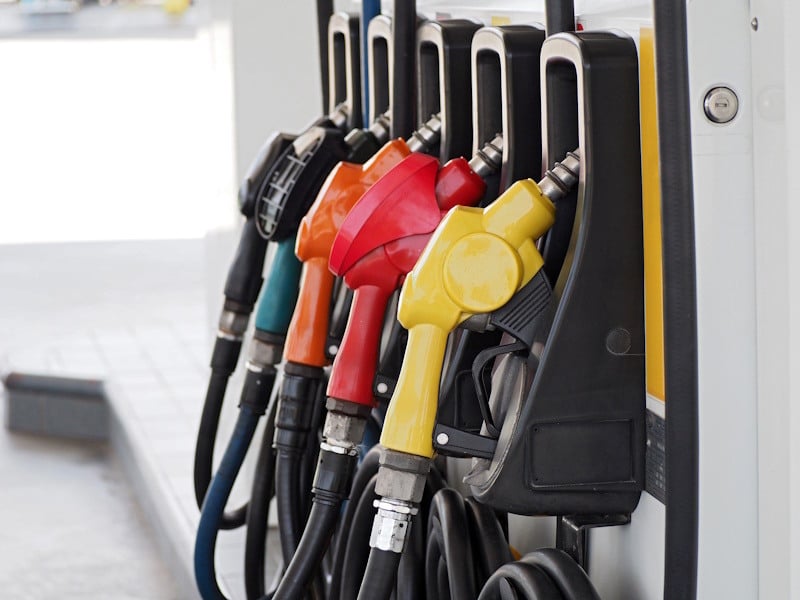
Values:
[(71, 527), (71, 524), (133, 314)]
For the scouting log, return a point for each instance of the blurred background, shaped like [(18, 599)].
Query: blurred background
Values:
[(125, 127)]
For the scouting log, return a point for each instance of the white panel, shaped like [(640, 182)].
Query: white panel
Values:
[(769, 145), (627, 563), (719, 51), (792, 75)]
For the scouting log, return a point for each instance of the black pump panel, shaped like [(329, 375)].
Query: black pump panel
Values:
[(379, 65), (577, 438), (505, 88), (344, 66), (444, 82)]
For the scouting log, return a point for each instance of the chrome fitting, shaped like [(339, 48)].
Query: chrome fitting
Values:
[(426, 136), (348, 450), (391, 525), (381, 128), (489, 158), (402, 476), (232, 325), (262, 354), (339, 116), (343, 431), (559, 180)]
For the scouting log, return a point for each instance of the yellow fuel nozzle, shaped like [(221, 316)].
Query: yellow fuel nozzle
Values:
[(476, 260)]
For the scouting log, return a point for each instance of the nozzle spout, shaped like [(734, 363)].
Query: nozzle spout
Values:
[(489, 158), (428, 134), (558, 181)]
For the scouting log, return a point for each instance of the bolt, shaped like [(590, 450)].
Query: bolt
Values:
[(332, 349), (382, 388), (442, 439), (754, 24)]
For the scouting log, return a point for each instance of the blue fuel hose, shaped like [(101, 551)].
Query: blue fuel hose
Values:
[(217, 496)]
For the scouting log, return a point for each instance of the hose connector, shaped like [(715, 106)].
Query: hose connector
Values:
[(391, 525), (343, 431), (427, 136), (232, 324), (266, 350)]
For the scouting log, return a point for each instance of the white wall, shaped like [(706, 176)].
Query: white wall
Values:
[(104, 139)]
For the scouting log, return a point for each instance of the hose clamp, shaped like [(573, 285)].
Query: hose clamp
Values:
[(349, 449)]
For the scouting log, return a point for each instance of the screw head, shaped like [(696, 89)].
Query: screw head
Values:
[(333, 349), (754, 24), (382, 388), (721, 105), (442, 439)]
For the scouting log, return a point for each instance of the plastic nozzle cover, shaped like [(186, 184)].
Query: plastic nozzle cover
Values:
[(379, 242)]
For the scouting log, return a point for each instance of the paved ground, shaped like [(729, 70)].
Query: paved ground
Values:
[(71, 527), (134, 314)]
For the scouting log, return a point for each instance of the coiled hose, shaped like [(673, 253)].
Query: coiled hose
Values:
[(466, 544), (544, 574)]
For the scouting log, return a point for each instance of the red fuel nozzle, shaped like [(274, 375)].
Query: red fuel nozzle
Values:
[(378, 244)]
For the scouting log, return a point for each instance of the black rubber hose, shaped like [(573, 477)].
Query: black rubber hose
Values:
[(366, 470), (571, 580), (357, 547), (255, 546), (204, 449), (680, 298), (449, 546), (214, 505), (488, 540), (310, 551), (287, 487), (520, 581), (404, 27), (380, 575)]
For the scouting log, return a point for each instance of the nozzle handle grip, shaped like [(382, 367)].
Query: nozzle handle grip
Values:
[(411, 417), (308, 330), (278, 299), (354, 366), (244, 275)]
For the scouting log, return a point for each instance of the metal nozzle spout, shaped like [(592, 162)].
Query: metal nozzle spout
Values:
[(381, 127), (489, 158), (426, 136), (559, 180)]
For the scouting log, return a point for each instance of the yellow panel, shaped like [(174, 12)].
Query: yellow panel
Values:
[(498, 21), (651, 194)]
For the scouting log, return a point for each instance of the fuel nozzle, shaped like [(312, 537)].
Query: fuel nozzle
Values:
[(474, 263)]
